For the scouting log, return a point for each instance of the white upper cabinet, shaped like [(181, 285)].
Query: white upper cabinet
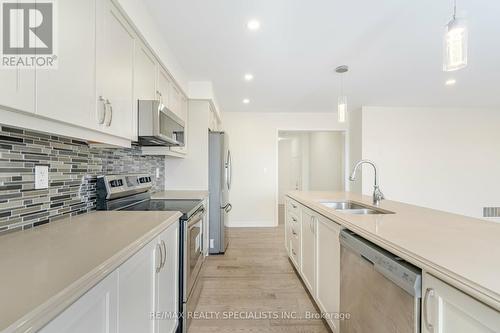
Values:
[(17, 85), (448, 310), (164, 86), (115, 71), (145, 70), (17, 89), (175, 102), (68, 93)]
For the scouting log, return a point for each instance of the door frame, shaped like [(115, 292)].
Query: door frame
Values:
[(345, 133)]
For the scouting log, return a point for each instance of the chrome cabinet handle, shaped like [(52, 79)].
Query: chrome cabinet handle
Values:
[(311, 224), (101, 114), (294, 219), (160, 95), (294, 206), (429, 292), (158, 250), (110, 113), (164, 254), (293, 252), (227, 208)]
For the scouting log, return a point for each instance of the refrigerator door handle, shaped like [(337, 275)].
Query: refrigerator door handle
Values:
[(229, 170), (227, 208)]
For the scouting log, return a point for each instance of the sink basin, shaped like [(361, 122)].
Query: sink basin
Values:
[(343, 205), (354, 208)]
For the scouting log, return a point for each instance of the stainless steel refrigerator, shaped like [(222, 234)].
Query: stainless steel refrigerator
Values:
[(220, 175)]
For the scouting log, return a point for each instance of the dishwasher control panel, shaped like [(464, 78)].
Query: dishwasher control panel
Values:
[(400, 272)]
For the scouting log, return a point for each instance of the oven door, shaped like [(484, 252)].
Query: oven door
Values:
[(193, 256)]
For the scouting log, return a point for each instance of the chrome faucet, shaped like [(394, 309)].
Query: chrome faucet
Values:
[(377, 194)]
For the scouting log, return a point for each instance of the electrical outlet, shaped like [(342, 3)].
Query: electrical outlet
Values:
[(41, 177), (211, 243)]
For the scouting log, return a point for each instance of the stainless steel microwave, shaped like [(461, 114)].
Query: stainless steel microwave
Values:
[(159, 126)]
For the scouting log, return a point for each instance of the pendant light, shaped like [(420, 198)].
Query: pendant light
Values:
[(342, 99), (455, 43)]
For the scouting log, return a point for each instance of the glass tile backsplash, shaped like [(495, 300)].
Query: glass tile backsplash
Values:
[(73, 167)]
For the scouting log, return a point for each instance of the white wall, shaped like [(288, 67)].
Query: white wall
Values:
[(355, 149), (253, 142), (447, 159), (326, 161), (191, 172)]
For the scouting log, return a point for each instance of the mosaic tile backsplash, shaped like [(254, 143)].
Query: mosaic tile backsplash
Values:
[(73, 167)]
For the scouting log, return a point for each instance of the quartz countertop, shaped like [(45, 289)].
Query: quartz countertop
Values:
[(46, 268), (460, 250), (180, 195)]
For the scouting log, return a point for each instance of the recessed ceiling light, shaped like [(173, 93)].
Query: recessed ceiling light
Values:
[(246, 101), (253, 25), (248, 77), (450, 82)]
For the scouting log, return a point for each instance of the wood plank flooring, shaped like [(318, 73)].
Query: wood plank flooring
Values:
[(256, 278)]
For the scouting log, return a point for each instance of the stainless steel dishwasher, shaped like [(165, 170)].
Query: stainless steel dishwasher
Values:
[(380, 291)]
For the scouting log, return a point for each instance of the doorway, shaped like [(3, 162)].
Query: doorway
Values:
[(309, 161)]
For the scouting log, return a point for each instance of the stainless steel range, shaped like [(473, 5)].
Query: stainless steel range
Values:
[(132, 193)]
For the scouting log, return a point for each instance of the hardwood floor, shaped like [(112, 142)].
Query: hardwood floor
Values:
[(255, 278)]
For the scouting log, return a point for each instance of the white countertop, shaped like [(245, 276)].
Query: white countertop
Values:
[(180, 195), (460, 250), (46, 268)]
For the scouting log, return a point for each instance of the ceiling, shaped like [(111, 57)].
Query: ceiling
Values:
[(393, 49)]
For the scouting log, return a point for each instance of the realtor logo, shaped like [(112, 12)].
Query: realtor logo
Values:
[(28, 34)]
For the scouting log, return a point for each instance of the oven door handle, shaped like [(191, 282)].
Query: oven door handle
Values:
[(195, 219)]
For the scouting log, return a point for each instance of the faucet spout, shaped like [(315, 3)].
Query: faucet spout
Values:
[(377, 193)]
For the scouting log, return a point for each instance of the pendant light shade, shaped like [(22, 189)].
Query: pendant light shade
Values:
[(455, 44), (342, 99), (342, 109)]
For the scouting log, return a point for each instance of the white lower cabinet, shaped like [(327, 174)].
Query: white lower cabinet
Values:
[(136, 280), (448, 310), (96, 311), (328, 269), (308, 249), (167, 283), (140, 296)]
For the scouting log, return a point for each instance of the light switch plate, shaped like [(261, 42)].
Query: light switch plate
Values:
[(41, 177), (157, 173), (211, 243)]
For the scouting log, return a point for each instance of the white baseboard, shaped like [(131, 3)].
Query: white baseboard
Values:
[(252, 224)]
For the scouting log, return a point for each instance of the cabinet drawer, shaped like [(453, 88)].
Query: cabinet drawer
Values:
[(294, 229), (295, 251), (293, 207)]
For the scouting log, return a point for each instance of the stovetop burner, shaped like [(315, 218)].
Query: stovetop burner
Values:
[(186, 207)]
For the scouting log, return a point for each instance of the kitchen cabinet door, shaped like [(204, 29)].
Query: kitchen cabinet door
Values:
[(145, 68), (328, 268), (115, 71), (167, 287), (17, 86), (136, 280), (448, 310), (96, 311), (68, 93), (175, 100), (164, 85), (308, 249)]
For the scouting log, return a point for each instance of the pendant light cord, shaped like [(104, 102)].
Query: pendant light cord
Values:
[(454, 9)]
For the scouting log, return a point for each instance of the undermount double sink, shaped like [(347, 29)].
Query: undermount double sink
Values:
[(354, 208)]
